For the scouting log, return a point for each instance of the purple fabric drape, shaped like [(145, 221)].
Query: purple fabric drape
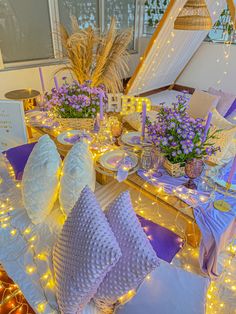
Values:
[(217, 228)]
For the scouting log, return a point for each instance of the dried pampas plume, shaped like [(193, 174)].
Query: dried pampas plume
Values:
[(99, 57)]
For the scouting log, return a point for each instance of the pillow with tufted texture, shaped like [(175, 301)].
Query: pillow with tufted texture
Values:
[(138, 257), (77, 172), (40, 182), (85, 252)]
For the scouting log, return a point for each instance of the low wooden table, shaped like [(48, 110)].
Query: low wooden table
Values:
[(175, 206)]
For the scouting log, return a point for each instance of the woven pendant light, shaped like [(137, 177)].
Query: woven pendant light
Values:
[(194, 16), (232, 9)]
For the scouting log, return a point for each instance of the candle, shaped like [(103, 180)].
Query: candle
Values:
[(41, 79), (232, 172), (207, 126), (1, 61), (101, 106), (144, 116), (56, 83)]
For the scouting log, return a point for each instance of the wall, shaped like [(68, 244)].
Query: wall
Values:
[(29, 77), (207, 67)]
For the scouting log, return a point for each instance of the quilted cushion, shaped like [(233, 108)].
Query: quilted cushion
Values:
[(201, 103), (225, 102), (40, 182), (138, 257), (169, 290), (78, 171), (226, 139), (85, 252)]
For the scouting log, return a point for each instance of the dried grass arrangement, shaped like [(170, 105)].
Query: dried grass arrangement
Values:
[(99, 57)]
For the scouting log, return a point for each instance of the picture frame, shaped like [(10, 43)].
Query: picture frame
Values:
[(13, 130)]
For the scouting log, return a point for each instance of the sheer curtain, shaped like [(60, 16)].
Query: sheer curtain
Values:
[(25, 31)]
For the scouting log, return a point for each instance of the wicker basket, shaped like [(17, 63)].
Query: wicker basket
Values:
[(175, 170), (76, 124)]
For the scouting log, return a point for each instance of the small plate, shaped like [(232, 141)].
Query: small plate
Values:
[(111, 160), (73, 136), (133, 139)]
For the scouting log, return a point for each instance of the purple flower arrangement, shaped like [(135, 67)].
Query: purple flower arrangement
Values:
[(75, 100), (178, 136)]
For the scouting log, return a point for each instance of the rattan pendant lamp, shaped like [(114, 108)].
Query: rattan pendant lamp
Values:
[(194, 16)]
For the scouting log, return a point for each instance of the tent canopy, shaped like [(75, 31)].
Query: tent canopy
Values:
[(169, 50)]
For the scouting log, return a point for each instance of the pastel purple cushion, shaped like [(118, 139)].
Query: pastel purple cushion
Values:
[(85, 252), (138, 257), (18, 157), (225, 102), (165, 243), (231, 109)]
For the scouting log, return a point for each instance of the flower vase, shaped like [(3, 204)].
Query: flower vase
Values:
[(174, 170)]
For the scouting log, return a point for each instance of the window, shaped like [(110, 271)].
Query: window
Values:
[(24, 33), (153, 13), (223, 30), (28, 28)]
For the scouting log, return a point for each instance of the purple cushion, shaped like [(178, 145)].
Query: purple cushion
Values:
[(231, 109), (18, 157), (165, 243)]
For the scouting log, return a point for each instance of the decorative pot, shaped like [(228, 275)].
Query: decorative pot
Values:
[(193, 169), (175, 170), (76, 123)]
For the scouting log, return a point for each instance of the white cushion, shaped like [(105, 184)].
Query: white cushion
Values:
[(169, 290), (201, 103), (17, 253), (40, 182), (226, 139), (77, 172)]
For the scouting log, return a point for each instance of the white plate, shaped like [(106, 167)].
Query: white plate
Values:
[(111, 160), (71, 133), (133, 139)]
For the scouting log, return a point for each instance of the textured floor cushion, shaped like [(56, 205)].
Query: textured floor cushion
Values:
[(169, 290), (165, 243), (18, 156), (85, 252), (40, 182), (225, 102), (138, 258), (77, 172)]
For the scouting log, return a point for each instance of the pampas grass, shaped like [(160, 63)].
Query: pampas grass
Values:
[(101, 58)]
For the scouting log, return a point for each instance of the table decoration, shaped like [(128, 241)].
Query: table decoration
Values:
[(113, 159), (147, 158), (180, 137), (193, 169), (56, 83), (134, 139), (144, 117), (73, 136), (29, 97), (42, 80), (101, 57), (228, 182), (76, 105)]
